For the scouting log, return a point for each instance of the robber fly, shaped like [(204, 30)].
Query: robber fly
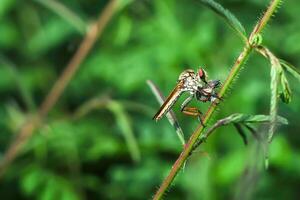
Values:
[(196, 84)]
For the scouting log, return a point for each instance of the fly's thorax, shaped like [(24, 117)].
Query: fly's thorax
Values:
[(190, 84), (191, 81), (189, 73)]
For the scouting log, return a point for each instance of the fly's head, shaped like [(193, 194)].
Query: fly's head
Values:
[(208, 93), (214, 84), (210, 87)]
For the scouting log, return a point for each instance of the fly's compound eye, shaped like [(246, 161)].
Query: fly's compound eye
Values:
[(202, 75)]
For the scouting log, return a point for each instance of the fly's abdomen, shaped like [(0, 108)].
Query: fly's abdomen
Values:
[(169, 102)]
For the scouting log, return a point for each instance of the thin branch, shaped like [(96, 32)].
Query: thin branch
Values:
[(94, 32), (274, 4), (234, 71), (193, 139)]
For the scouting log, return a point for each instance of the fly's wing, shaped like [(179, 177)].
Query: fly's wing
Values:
[(170, 101)]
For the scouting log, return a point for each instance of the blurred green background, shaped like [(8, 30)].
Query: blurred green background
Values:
[(99, 141)]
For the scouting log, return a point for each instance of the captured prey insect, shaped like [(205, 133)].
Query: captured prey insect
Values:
[(198, 87)]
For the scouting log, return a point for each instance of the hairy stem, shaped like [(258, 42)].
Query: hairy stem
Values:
[(189, 146), (234, 71), (265, 19)]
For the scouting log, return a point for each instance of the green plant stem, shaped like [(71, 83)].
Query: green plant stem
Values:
[(234, 71), (189, 146), (264, 20)]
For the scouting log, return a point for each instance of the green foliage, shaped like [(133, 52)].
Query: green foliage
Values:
[(239, 120), (54, 32), (65, 13), (278, 81), (244, 118), (291, 69), (6, 5), (122, 119), (229, 18), (275, 78), (90, 154), (9, 35), (286, 91), (44, 185)]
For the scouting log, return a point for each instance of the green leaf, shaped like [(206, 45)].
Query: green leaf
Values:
[(239, 118), (65, 13), (123, 4), (285, 95), (5, 6), (256, 40), (170, 115), (15, 117), (32, 179), (274, 94), (98, 102), (291, 69), (124, 124), (253, 131), (241, 132), (124, 30), (53, 33), (229, 18), (19, 82), (278, 65), (245, 118), (10, 35), (277, 76)]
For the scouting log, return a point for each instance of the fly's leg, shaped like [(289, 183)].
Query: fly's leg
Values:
[(191, 111), (215, 97), (186, 102)]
